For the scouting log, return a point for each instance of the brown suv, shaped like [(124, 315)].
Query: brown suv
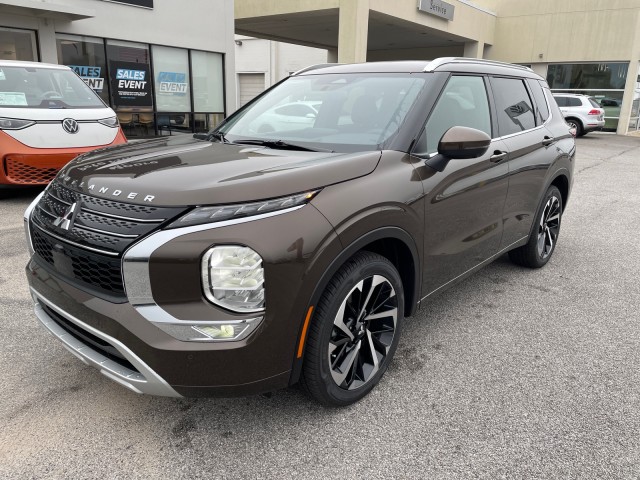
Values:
[(289, 244)]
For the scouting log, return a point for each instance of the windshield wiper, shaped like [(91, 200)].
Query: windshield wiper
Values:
[(279, 144), (220, 137)]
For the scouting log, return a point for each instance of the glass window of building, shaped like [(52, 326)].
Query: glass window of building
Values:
[(85, 55), (208, 91), (18, 45), (603, 81), (171, 79), (131, 91)]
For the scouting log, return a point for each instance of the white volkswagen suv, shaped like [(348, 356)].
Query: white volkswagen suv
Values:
[(581, 112)]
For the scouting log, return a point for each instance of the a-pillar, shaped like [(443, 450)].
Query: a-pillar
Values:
[(474, 49), (353, 31)]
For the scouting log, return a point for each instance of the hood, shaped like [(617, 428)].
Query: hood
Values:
[(185, 171)]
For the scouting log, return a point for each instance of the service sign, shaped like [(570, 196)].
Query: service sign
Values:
[(131, 84), (90, 75), (437, 7)]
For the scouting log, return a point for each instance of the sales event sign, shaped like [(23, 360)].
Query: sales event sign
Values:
[(130, 84), (90, 75), (173, 83)]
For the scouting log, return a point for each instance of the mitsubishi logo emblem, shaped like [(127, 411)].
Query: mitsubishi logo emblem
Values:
[(65, 222), (69, 125)]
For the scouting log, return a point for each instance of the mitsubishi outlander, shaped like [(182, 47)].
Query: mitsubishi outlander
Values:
[(268, 253)]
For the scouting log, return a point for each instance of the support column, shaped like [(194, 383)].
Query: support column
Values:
[(332, 55), (474, 49), (353, 31), (627, 98)]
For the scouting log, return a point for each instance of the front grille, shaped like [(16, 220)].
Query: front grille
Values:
[(25, 173), (89, 251), (90, 339)]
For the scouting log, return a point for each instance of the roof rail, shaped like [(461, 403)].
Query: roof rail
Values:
[(314, 67), (438, 62)]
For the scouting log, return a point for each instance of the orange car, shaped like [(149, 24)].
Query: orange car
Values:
[(48, 116)]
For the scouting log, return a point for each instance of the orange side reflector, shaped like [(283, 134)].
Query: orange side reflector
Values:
[(303, 335)]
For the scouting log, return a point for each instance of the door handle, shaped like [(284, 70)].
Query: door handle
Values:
[(548, 140), (497, 156)]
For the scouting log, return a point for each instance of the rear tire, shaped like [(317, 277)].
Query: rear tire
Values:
[(544, 235), (354, 332), (577, 125)]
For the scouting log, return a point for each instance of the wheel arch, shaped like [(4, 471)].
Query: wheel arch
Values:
[(393, 243), (561, 181)]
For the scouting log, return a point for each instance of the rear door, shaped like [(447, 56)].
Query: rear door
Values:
[(521, 122)]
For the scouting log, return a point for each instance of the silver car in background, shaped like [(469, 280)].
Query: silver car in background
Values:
[(581, 112)]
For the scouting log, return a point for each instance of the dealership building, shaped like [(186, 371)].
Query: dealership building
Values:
[(582, 46), (182, 54), (164, 68)]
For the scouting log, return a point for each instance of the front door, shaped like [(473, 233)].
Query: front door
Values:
[(463, 203)]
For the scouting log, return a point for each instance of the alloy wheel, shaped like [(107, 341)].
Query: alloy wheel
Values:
[(363, 332), (549, 227)]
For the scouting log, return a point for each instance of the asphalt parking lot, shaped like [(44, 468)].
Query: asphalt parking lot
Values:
[(511, 374)]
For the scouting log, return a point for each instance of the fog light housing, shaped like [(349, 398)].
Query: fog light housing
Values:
[(233, 278), (211, 331)]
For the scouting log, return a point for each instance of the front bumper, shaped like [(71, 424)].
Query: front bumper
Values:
[(131, 373), (24, 165), (169, 291)]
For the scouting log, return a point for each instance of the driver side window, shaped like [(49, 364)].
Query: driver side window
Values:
[(463, 103)]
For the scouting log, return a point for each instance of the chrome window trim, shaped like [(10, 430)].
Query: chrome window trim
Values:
[(135, 265), (145, 380)]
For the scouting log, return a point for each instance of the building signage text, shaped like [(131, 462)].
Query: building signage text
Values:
[(437, 7)]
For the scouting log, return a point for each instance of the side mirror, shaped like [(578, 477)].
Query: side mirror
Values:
[(463, 142), (201, 136), (459, 143)]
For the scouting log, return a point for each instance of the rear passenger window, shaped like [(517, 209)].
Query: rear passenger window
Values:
[(542, 110), (561, 101), (515, 111), (463, 103), (574, 102)]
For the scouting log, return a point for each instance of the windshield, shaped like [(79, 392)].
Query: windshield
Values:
[(340, 112), (27, 87)]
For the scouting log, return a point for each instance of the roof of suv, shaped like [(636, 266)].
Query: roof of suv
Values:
[(444, 64)]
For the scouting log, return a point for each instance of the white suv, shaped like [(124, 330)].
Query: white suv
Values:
[(581, 112)]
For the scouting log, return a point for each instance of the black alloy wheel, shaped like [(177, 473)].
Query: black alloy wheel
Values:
[(355, 330)]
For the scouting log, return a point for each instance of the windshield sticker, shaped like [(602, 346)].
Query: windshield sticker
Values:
[(13, 98), (2, 75)]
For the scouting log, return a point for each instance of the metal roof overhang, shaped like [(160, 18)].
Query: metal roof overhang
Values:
[(45, 9), (319, 28)]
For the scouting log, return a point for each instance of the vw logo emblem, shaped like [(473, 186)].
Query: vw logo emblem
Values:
[(70, 125)]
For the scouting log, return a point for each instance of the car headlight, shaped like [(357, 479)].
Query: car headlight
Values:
[(109, 122), (233, 278), (202, 215), (14, 123)]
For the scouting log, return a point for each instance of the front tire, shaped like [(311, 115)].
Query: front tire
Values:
[(544, 236), (355, 331)]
